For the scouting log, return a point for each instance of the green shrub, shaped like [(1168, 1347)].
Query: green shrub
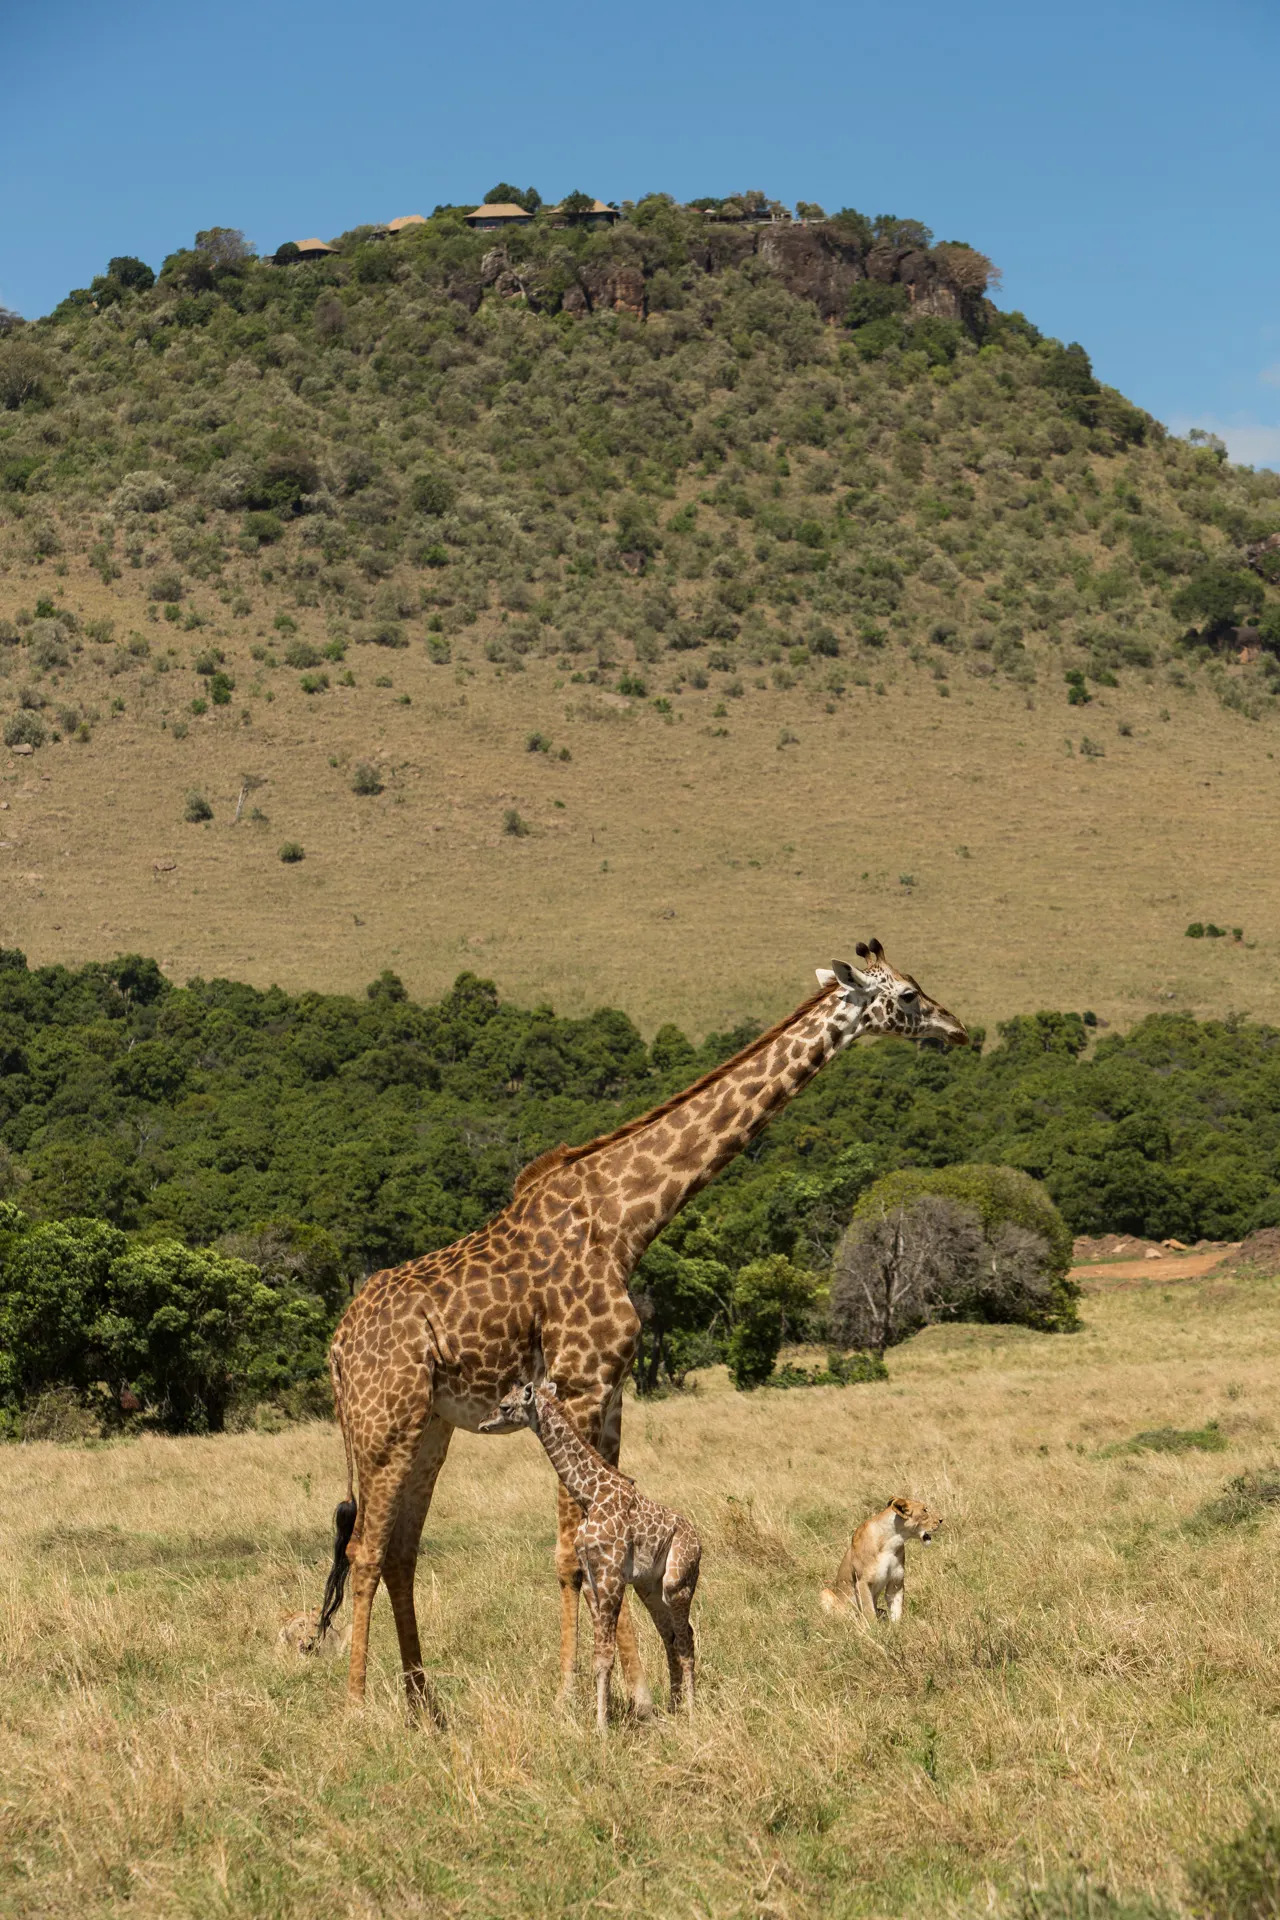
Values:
[(1243, 1501), (177, 1332), (767, 1295), (431, 493), (301, 653), (197, 808), (24, 729), (262, 529), (1207, 1439), (365, 779), (1239, 1878), (291, 852), (514, 824)]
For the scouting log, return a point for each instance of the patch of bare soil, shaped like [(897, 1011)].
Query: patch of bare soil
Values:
[(1259, 1253), (1115, 1259)]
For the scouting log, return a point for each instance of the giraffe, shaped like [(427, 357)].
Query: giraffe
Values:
[(541, 1292), (624, 1540)]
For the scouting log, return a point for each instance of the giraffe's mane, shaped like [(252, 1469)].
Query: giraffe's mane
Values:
[(564, 1156)]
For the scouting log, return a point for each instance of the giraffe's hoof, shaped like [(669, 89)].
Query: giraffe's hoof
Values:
[(642, 1704)]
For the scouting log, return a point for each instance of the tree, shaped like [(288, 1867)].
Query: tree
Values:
[(505, 195), (432, 493), (809, 210), (897, 1271), (287, 251), (675, 1296), (1215, 600), (128, 271), (575, 204), (25, 375), (965, 269), (224, 247), (768, 1295)]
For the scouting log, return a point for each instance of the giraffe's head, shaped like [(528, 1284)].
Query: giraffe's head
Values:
[(519, 1408), (875, 998)]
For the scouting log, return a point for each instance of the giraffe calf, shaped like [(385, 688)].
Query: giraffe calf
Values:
[(625, 1540)]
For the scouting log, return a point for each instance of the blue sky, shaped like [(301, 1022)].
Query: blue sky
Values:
[(1117, 159)]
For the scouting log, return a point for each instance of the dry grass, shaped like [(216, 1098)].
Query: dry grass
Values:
[(687, 873), (1078, 1677)]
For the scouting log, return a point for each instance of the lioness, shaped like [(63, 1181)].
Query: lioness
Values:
[(874, 1569), (300, 1632)]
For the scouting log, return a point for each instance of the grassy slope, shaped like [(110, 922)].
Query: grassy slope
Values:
[(686, 875), (973, 540), (1077, 1677)]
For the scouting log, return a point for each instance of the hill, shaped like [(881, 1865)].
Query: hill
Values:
[(627, 611)]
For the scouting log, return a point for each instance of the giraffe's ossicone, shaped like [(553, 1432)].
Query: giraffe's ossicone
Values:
[(541, 1292)]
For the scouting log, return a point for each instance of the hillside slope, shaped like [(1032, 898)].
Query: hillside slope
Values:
[(696, 598)]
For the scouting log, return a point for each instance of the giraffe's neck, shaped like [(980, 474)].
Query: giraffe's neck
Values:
[(579, 1466), (642, 1180)]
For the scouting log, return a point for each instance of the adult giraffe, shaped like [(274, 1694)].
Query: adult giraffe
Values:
[(541, 1293)]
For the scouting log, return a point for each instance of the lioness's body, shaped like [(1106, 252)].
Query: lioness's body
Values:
[(874, 1570)]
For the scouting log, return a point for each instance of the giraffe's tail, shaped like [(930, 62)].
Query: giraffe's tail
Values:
[(344, 1518)]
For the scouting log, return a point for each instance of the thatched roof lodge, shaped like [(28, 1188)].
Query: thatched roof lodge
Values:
[(313, 249), (406, 220), (503, 213)]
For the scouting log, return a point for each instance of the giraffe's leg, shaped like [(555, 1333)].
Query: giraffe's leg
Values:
[(610, 1444), (682, 1670), (606, 1610), (660, 1614), (379, 1499), (384, 1465), (569, 1574), (401, 1559)]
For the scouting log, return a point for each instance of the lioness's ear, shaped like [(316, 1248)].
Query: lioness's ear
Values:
[(901, 1504)]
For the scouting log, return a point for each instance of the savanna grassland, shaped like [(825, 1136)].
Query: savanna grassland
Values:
[(1085, 1679), (682, 600)]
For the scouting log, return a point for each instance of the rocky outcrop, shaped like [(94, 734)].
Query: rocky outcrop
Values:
[(813, 262)]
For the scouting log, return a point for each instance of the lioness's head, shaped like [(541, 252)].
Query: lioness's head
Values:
[(915, 1522)]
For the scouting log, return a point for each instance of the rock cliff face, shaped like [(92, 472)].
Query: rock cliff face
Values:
[(818, 263)]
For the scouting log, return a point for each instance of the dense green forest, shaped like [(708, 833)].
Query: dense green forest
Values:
[(221, 1164), (684, 445), (214, 1107)]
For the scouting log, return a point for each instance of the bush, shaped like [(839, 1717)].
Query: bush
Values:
[(767, 1294), (432, 493), (262, 529), (301, 653), (197, 808), (971, 1243), (291, 852), (176, 1332), (24, 730), (366, 779), (1239, 1879), (514, 824), (142, 492)]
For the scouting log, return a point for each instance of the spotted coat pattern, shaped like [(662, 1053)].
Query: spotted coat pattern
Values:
[(541, 1292), (624, 1540)]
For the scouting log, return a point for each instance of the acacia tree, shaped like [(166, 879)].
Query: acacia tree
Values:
[(897, 1272)]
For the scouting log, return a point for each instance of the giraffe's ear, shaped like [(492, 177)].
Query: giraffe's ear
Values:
[(850, 979), (526, 1394), (825, 976), (549, 1388)]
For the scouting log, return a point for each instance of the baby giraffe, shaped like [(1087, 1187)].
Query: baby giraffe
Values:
[(624, 1540), (873, 1570)]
